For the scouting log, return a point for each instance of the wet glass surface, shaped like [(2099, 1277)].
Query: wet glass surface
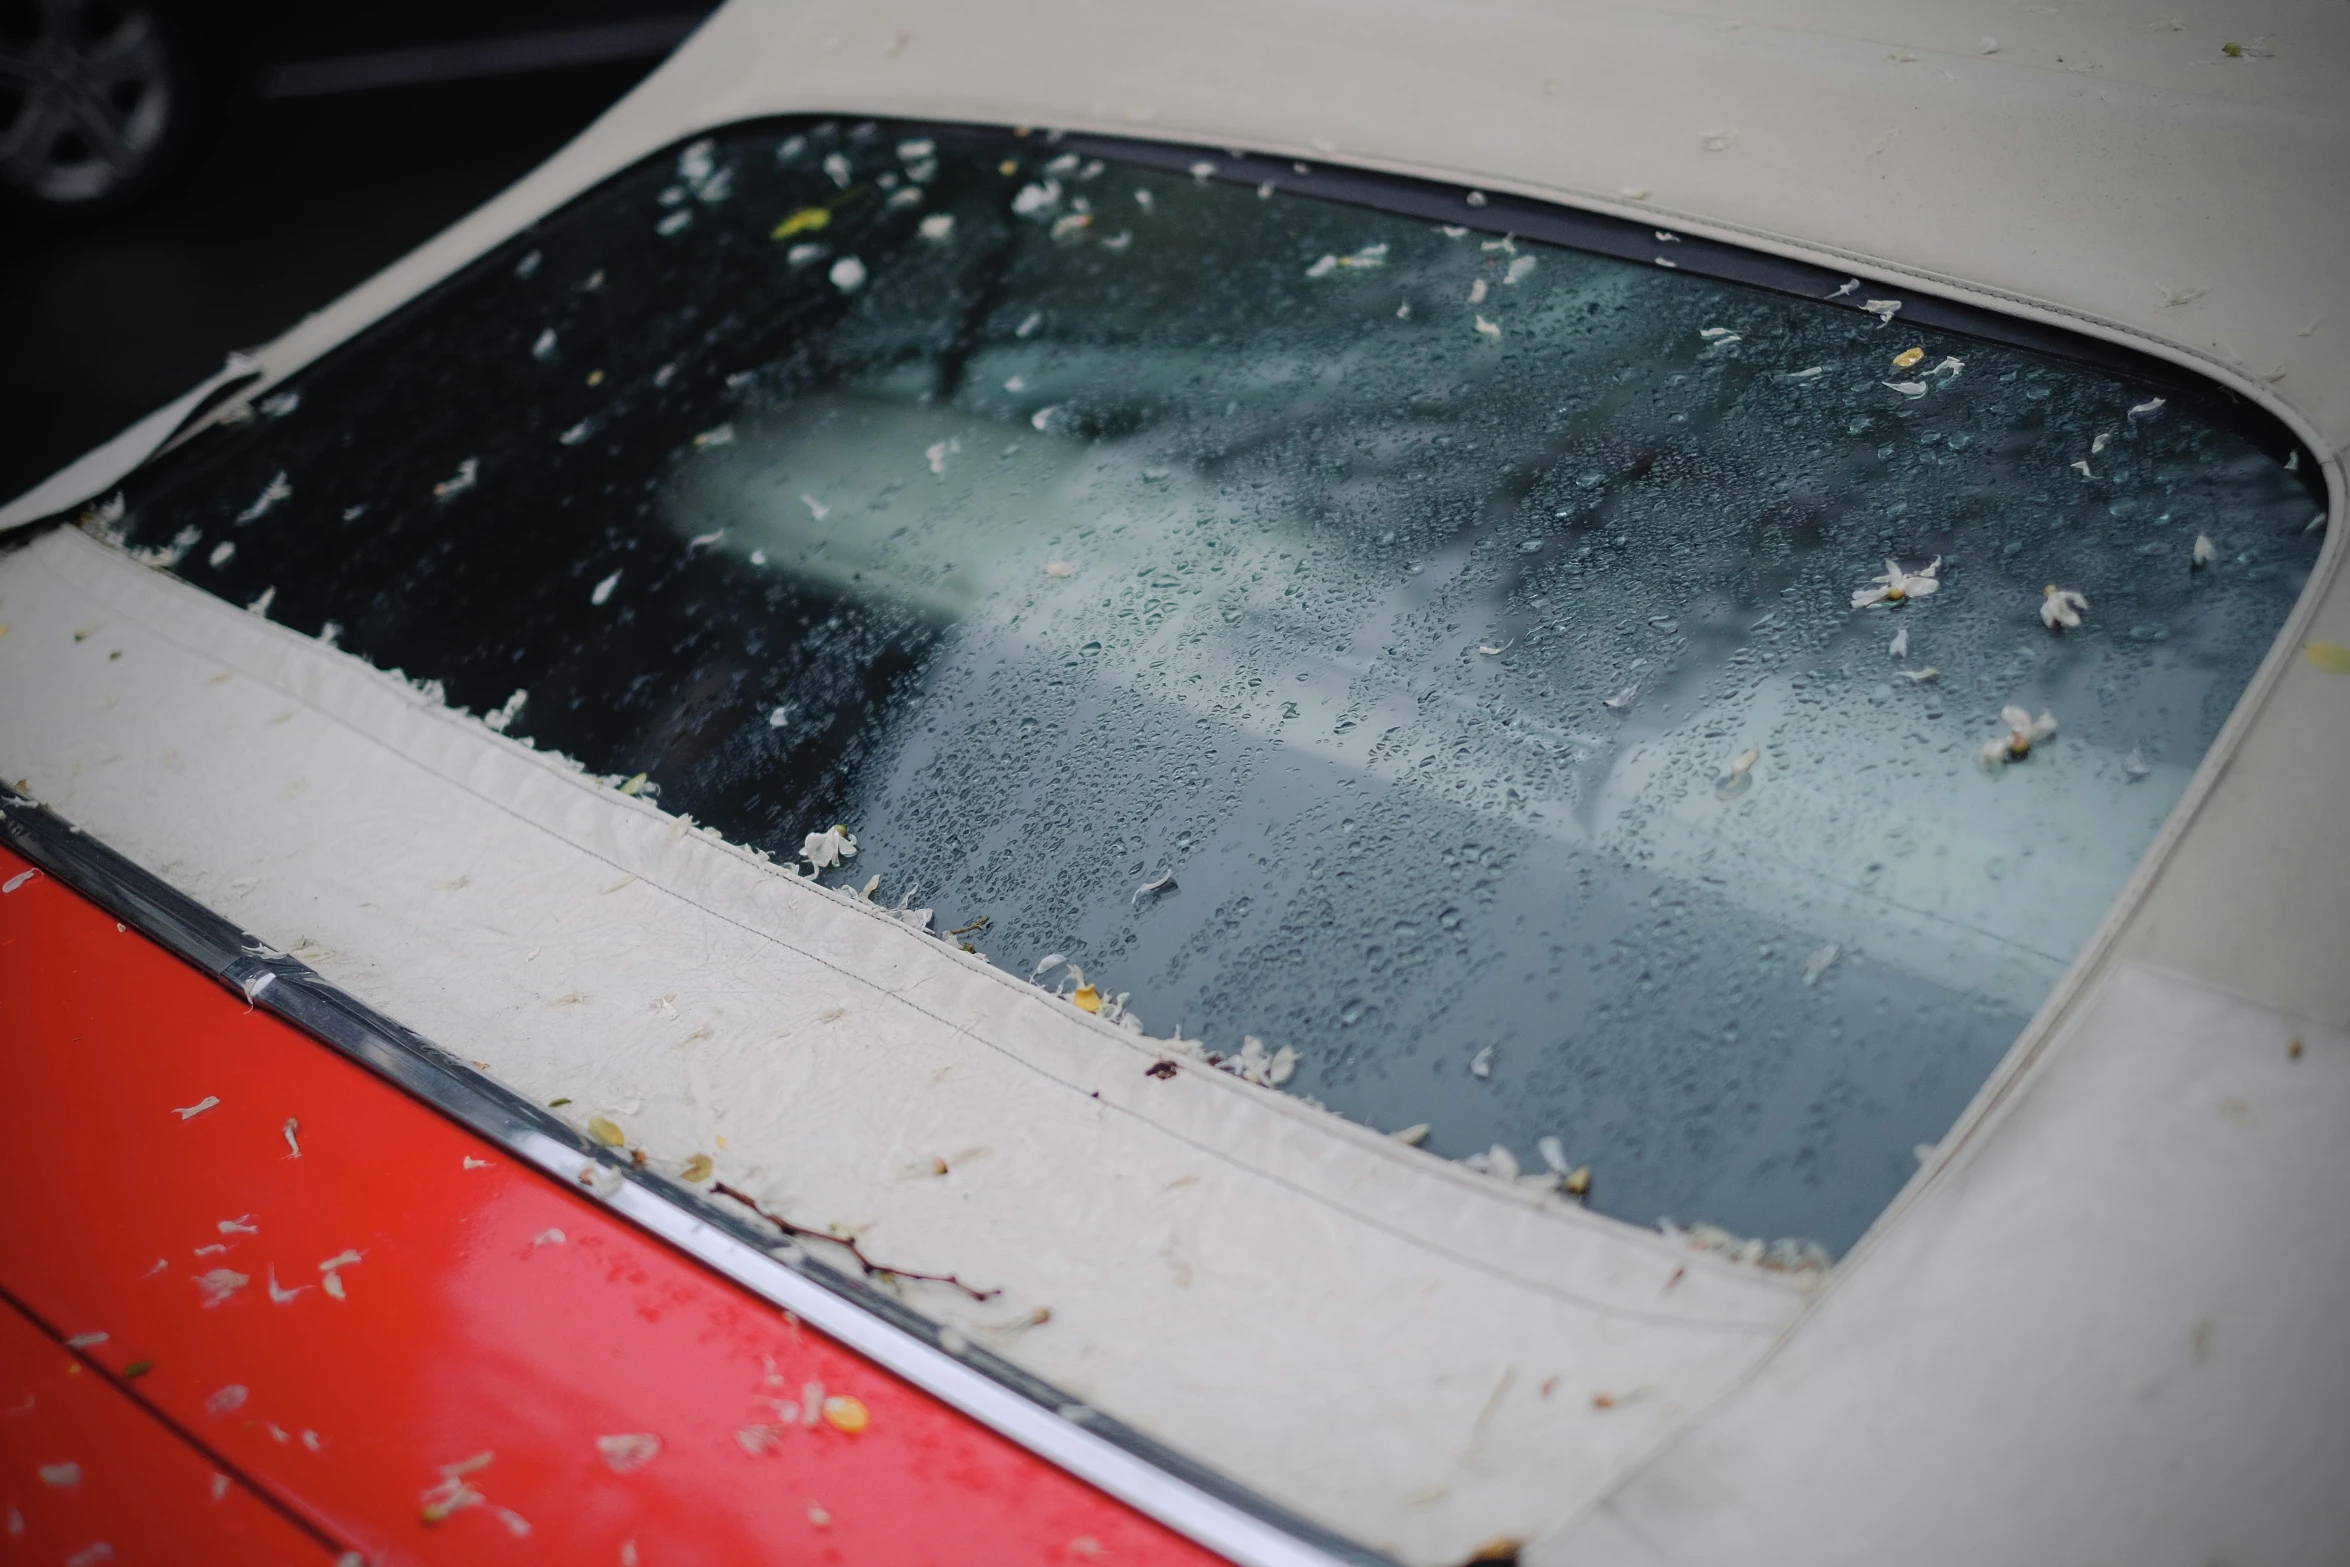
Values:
[(1466, 626)]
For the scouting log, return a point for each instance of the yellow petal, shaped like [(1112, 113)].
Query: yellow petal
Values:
[(604, 1132), (1579, 1183), (697, 1168), (1908, 357), (805, 221), (846, 1414), (1087, 998), (2331, 657)]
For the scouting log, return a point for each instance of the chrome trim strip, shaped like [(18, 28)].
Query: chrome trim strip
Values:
[(1184, 1495)]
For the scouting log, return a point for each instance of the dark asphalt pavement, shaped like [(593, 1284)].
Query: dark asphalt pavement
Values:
[(301, 199)]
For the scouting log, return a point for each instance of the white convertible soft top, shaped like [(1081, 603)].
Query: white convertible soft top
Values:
[(2096, 1326)]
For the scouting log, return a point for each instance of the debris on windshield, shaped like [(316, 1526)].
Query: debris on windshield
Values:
[(2205, 553), (1118, 241), (1740, 773), (816, 508), (2023, 732), (1367, 257), (634, 786), (2147, 409), (717, 435), (1909, 389), (938, 226), (1949, 368), (1850, 285), (1820, 961), (2100, 442), (1253, 1065), (807, 253), (2134, 765), (1487, 329), (828, 848), (2081, 467), (1799, 1257), (2060, 608), (603, 590), (274, 492), (1716, 333), (847, 274), (939, 453), (577, 433), (1043, 416), (697, 1168), (1883, 309), (190, 1112), (1894, 586), (1900, 647), (1163, 882), (1070, 223), (605, 1131), (1477, 292), (1481, 1064), (1476, 198), (1411, 1136), (460, 481), (1807, 373), (1496, 1161), (1060, 568), (1035, 197), (1908, 357), (1921, 677), (1622, 701), (543, 350)]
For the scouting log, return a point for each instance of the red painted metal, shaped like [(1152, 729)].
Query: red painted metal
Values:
[(87, 1475), (632, 1406)]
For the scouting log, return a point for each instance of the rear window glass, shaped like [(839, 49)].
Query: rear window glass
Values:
[(1559, 698)]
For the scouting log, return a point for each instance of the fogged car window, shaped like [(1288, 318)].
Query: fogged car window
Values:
[(1559, 699)]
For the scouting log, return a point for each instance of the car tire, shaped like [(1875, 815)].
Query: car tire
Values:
[(102, 103)]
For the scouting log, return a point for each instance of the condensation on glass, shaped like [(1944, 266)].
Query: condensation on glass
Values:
[(1424, 649)]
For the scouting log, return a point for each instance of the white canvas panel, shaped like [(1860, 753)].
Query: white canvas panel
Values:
[(2111, 1331)]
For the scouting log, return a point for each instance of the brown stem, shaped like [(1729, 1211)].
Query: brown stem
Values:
[(867, 1263)]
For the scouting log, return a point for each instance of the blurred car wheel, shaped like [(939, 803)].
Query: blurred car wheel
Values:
[(100, 102)]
